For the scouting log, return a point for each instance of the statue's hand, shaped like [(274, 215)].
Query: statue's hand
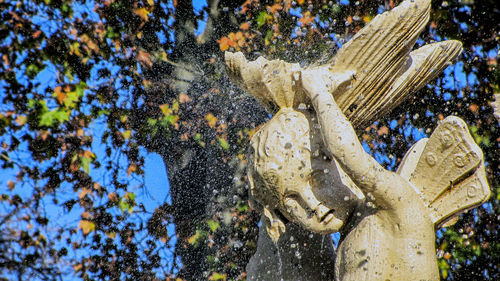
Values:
[(321, 80), (282, 82)]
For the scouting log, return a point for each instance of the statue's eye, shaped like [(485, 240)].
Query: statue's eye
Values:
[(292, 195)]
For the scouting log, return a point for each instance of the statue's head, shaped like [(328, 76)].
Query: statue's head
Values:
[(292, 179)]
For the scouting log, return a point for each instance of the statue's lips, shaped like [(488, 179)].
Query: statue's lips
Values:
[(322, 219)]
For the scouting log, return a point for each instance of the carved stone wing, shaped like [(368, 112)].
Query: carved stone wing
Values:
[(447, 170), (421, 66), (386, 71), (378, 50)]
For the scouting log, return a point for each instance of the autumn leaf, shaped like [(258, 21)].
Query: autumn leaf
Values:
[(143, 13), (274, 8), (223, 43), (217, 276), (183, 98), (59, 94), (113, 197), (11, 185), (306, 19), (126, 134), (77, 267), (193, 239), (166, 110), (211, 120), (383, 131), (86, 226), (132, 168), (144, 58), (21, 120), (84, 192), (245, 26), (127, 202), (37, 34)]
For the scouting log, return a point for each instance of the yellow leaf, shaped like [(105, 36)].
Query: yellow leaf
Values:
[(211, 119), (217, 276), (194, 238), (143, 13), (175, 106), (86, 226), (165, 108), (367, 19), (126, 134), (84, 192), (21, 120)]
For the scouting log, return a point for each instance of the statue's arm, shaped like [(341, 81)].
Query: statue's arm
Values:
[(342, 143)]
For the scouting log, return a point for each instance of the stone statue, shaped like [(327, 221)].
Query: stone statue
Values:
[(307, 167)]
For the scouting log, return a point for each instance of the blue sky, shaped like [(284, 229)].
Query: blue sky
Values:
[(156, 188)]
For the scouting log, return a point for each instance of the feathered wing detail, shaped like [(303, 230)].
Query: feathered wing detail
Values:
[(379, 56), (421, 66), (449, 174), (379, 50)]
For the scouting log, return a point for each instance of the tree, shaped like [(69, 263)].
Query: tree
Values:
[(152, 74)]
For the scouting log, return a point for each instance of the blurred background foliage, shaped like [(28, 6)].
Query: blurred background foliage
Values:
[(149, 75)]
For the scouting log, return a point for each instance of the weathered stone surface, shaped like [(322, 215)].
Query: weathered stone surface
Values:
[(307, 168)]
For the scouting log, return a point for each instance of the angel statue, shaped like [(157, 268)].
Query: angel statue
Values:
[(309, 175)]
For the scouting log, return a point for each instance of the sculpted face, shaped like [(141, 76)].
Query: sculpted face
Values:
[(294, 180)]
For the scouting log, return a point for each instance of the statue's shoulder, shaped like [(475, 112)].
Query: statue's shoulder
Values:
[(447, 171)]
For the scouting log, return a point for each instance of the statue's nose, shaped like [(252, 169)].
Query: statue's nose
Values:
[(323, 213)]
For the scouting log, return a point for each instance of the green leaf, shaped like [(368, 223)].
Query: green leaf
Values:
[(32, 70), (262, 18), (213, 225), (223, 143), (127, 202), (218, 276), (71, 99), (48, 118), (85, 162)]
